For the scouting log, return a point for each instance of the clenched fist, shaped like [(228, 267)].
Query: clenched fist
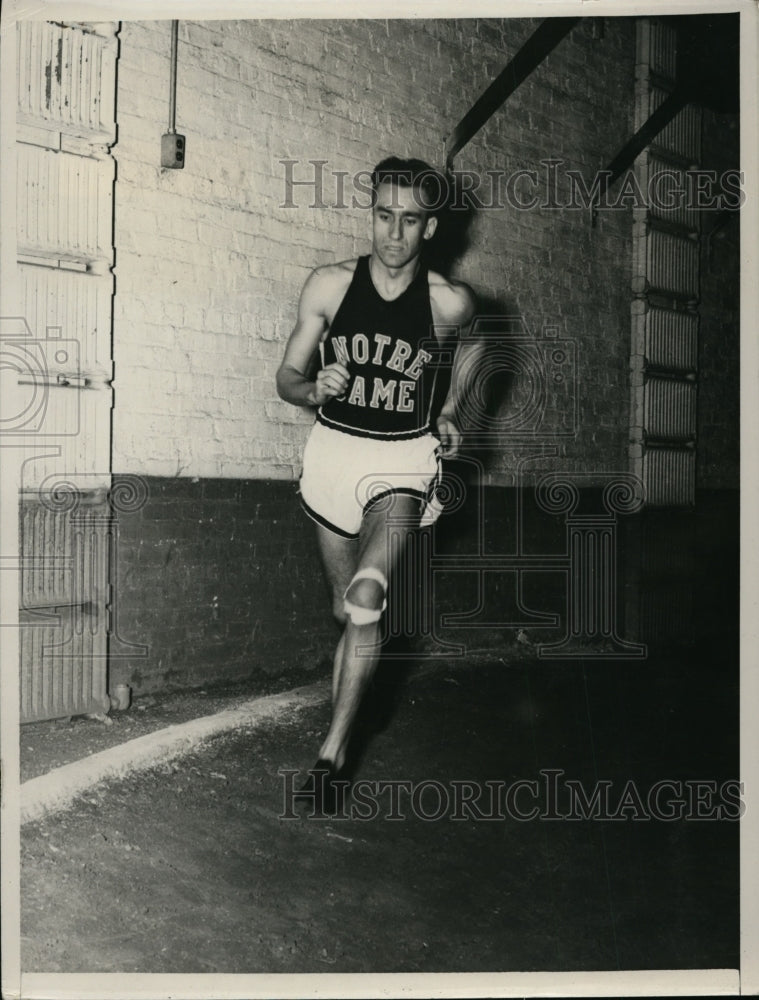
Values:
[(330, 382), (450, 437)]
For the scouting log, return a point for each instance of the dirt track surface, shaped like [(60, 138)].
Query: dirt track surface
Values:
[(189, 867), (50, 744)]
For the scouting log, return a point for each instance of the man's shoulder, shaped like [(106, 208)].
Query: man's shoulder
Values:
[(333, 275), (342, 267), (327, 284), (454, 301)]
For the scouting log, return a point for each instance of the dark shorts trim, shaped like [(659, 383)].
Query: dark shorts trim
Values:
[(403, 491), (416, 494), (324, 522)]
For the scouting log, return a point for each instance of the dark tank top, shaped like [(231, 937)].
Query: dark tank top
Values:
[(392, 355)]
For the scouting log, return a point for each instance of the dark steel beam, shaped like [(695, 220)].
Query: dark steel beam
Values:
[(543, 40), (670, 106)]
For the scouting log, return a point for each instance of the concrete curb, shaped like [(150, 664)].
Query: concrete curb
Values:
[(56, 789)]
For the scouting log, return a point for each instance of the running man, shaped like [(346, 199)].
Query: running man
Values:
[(383, 325)]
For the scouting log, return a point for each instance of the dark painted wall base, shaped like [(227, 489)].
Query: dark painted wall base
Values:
[(216, 579), (219, 580)]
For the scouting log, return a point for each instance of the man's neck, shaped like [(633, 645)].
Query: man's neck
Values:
[(391, 282)]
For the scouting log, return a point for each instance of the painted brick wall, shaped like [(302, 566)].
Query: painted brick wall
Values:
[(209, 265), (218, 575)]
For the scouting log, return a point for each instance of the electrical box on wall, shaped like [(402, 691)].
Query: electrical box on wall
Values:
[(172, 150)]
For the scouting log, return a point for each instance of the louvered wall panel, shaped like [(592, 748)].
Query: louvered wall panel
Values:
[(670, 410), (671, 339), (76, 304), (683, 134), (666, 260), (65, 174), (65, 204), (667, 187), (669, 475), (69, 315), (672, 263), (662, 50), (61, 70), (656, 47), (85, 446)]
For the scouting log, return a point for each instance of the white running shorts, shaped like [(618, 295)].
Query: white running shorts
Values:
[(344, 475)]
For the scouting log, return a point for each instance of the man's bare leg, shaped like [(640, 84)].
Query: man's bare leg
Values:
[(356, 663), (339, 559), (337, 668), (352, 676)]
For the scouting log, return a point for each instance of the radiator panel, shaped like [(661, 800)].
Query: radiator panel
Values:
[(670, 476), (668, 195), (666, 285), (65, 539), (672, 263), (62, 666), (683, 134), (671, 339), (669, 409), (656, 47), (663, 49)]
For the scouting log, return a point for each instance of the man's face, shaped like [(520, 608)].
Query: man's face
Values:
[(400, 225)]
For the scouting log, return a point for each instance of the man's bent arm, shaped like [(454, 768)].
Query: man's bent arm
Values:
[(465, 366), (293, 384), (294, 387), (465, 363)]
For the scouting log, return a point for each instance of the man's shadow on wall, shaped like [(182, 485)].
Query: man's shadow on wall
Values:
[(486, 394), (490, 381)]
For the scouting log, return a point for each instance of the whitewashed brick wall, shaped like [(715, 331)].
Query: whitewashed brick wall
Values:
[(209, 265)]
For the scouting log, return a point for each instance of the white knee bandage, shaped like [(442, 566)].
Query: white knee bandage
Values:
[(357, 614)]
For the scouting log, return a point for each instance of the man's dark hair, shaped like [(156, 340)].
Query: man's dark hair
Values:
[(414, 174)]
